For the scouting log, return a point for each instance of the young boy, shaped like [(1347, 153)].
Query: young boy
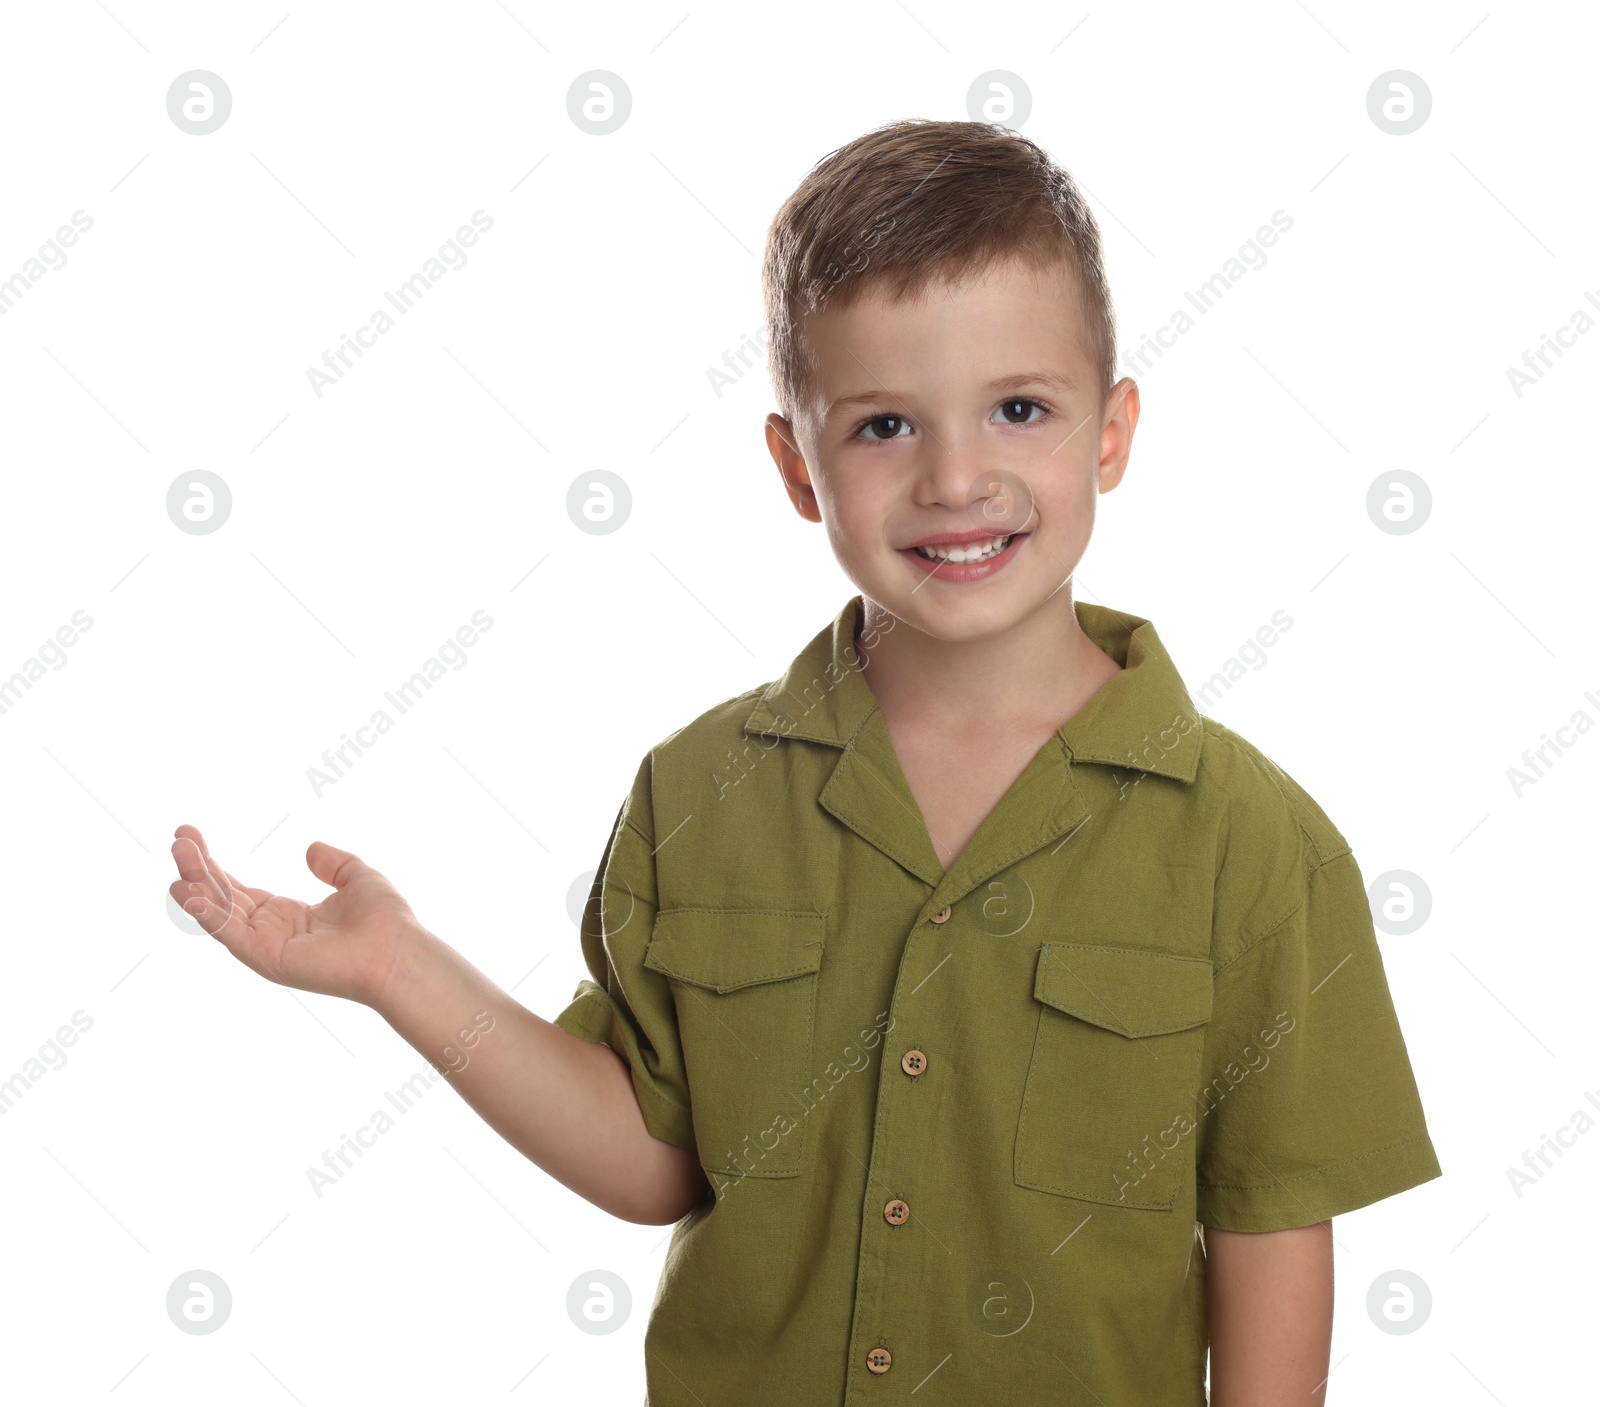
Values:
[(950, 990)]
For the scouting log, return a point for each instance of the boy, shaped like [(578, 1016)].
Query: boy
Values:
[(951, 989)]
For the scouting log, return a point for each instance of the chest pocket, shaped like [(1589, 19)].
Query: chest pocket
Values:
[(1109, 1108), (745, 985)]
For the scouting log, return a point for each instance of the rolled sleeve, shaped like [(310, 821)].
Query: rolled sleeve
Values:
[(1309, 1107), (622, 1003)]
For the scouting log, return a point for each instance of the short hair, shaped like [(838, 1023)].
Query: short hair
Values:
[(916, 200)]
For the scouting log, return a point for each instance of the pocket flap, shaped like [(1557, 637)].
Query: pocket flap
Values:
[(725, 949), (1132, 991)]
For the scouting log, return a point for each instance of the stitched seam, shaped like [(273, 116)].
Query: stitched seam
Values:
[(1042, 837), (1095, 1197), (1316, 1172), (1142, 952), (1257, 942), (656, 1097), (660, 966), (797, 1139), (1278, 924), (851, 818), (1130, 1035), (1023, 1156), (642, 1087), (1288, 800), (1121, 1028), (809, 965), (1101, 760)]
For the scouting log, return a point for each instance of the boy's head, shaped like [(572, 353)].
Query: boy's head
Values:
[(942, 344)]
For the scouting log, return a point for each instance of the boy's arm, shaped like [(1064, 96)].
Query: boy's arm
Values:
[(566, 1103), (1270, 1298)]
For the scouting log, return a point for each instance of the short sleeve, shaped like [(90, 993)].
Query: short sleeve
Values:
[(623, 1003), (1309, 1107)]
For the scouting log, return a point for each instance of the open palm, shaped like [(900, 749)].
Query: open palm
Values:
[(343, 946)]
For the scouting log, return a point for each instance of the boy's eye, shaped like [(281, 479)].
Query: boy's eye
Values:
[(891, 425), (1017, 411), (1020, 405)]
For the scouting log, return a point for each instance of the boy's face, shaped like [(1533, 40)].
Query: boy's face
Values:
[(964, 412)]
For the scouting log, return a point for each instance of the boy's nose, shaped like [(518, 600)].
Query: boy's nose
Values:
[(952, 469)]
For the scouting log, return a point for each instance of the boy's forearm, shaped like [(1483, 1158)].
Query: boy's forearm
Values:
[(1270, 1299), (565, 1103)]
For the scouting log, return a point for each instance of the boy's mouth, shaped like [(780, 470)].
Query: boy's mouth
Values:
[(980, 551)]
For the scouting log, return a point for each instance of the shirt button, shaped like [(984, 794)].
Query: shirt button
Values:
[(913, 1062), (878, 1361), (941, 916), (896, 1212)]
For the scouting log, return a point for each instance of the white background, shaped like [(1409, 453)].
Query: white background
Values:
[(431, 481)]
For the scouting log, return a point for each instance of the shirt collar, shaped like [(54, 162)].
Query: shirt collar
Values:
[(1141, 718)]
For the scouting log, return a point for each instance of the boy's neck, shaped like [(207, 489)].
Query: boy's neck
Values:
[(1035, 675)]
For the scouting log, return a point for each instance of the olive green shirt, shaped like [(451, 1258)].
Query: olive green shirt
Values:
[(960, 1127)]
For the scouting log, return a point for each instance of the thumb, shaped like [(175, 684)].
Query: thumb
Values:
[(335, 866)]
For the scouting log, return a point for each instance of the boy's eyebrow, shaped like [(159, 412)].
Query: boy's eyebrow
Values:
[(1027, 378), (1010, 382)]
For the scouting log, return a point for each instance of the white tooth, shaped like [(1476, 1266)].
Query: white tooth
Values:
[(978, 551)]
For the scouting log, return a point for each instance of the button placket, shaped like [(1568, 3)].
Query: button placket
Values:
[(877, 1275)]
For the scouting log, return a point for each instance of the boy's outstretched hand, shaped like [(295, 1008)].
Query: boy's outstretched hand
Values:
[(345, 946), (566, 1103)]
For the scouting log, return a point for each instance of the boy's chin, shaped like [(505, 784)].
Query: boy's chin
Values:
[(956, 613)]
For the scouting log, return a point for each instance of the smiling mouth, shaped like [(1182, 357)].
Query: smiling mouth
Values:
[(972, 552)]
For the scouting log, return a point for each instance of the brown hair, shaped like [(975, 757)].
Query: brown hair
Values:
[(914, 200)]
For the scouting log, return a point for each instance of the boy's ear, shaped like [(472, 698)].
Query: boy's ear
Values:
[(785, 448), (1116, 431)]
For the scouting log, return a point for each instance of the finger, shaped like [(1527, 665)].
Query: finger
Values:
[(192, 833), (200, 879), (335, 866), (257, 896), (198, 854), (221, 921), (190, 859)]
